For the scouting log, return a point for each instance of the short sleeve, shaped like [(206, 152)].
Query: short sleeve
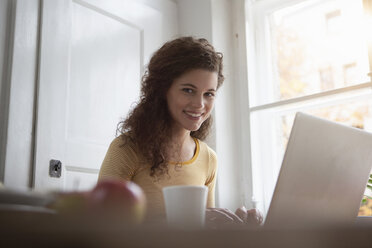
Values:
[(211, 180), (120, 161)]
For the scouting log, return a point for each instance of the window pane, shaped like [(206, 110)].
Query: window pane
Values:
[(356, 114), (318, 46)]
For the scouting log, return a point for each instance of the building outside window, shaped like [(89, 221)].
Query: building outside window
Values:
[(309, 56)]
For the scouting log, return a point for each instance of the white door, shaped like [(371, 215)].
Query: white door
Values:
[(92, 56)]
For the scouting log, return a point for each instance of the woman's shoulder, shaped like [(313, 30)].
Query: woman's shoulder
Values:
[(205, 148), (124, 150), (123, 142), (121, 159), (209, 158)]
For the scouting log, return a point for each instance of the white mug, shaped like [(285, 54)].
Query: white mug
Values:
[(185, 205)]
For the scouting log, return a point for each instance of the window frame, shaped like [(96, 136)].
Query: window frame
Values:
[(259, 61)]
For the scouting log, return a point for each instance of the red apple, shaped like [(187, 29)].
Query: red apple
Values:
[(122, 200)]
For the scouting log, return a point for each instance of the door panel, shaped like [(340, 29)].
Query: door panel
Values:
[(91, 60)]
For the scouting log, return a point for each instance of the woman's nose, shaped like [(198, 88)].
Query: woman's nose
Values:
[(198, 102)]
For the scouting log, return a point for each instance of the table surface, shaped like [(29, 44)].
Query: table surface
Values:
[(38, 229)]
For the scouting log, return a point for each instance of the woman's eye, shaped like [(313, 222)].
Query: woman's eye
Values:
[(209, 94), (187, 90)]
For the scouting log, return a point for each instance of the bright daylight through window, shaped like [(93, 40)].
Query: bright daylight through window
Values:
[(310, 56)]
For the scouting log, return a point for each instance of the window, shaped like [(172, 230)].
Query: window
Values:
[(309, 56)]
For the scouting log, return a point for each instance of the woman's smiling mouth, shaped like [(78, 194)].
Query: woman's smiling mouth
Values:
[(194, 116)]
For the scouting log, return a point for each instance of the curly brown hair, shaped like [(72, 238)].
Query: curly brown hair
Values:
[(148, 125)]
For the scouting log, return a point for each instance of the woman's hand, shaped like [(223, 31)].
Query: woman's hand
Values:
[(218, 217), (250, 217), (222, 217)]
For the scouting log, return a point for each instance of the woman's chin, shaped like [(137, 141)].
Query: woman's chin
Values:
[(194, 128)]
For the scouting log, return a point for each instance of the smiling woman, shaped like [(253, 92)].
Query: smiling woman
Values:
[(161, 139), (152, 124)]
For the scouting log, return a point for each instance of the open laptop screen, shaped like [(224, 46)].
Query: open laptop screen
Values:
[(323, 176)]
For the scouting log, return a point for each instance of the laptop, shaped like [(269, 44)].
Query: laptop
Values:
[(323, 176)]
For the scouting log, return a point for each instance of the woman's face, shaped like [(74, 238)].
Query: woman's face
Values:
[(191, 98)]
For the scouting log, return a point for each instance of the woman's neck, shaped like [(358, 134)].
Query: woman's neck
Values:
[(181, 147), (180, 138)]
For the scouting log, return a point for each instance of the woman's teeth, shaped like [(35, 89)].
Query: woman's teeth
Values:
[(193, 114)]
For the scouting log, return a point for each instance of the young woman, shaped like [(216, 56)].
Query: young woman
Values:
[(161, 139)]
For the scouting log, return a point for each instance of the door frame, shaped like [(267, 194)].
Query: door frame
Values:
[(18, 93)]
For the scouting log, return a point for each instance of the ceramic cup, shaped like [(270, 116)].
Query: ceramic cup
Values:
[(185, 205)]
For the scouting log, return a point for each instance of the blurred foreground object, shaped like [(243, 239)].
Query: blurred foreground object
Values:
[(113, 199), (24, 229)]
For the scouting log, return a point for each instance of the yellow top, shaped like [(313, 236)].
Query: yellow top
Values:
[(122, 161)]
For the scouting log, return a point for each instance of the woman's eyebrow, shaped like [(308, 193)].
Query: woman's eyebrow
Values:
[(193, 86), (189, 85)]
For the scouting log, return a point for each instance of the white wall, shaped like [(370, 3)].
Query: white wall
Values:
[(5, 26), (228, 185), (241, 103), (195, 18), (234, 186), (4, 5), (19, 139)]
